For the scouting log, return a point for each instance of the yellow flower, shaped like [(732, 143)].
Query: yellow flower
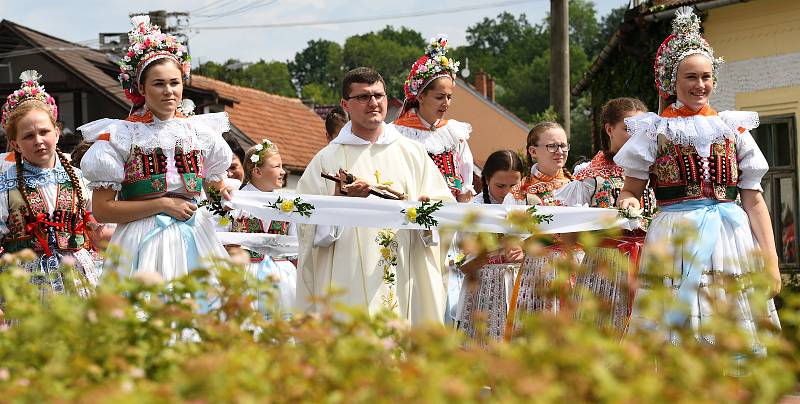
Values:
[(224, 221), (386, 253), (287, 206), (444, 61), (411, 215)]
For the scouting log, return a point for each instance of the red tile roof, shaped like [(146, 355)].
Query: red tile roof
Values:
[(297, 130)]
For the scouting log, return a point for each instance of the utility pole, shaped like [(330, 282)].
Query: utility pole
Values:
[(559, 61), (174, 22)]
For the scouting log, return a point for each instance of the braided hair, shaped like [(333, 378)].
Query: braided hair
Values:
[(11, 131)]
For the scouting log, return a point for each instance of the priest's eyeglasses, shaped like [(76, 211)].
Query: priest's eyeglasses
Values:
[(553, 147), (364, 98)]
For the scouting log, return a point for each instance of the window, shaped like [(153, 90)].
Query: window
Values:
[(777, 138)]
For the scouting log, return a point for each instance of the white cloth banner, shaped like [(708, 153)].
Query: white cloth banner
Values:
[(383, 213), (274, 245)]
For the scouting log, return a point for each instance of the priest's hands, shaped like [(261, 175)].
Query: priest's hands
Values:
[(356, 189)]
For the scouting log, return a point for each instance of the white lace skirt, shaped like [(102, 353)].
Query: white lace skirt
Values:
[(731, 259), (172, 252)]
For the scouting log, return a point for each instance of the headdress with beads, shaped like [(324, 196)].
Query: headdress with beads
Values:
[(30, 90), (262, 149), (685, 40), (429, 67), (148, 44)]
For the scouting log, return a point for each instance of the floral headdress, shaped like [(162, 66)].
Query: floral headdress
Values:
[(685, 40), (429, 67), (266, 146), (29, 90), (148, 44)]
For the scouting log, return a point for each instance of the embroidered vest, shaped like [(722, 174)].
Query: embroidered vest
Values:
[(145, 173), (67, 232), (680, 174), (247, 224), (609, 180), (542, 187), (447, 166)]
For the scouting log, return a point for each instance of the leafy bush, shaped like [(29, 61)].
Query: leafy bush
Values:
[(138, 340)]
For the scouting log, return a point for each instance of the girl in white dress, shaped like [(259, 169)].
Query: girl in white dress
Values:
[(43, 200), (148, 170), (263, 170), (429, 93), (698, 162), (487, 286)]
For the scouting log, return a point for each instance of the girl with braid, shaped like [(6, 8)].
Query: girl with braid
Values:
[(43, 201)]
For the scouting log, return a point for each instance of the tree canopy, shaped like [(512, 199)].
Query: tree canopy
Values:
[(512, 49)]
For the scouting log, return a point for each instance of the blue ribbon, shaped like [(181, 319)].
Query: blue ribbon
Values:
[(707, 216), (187, 233)]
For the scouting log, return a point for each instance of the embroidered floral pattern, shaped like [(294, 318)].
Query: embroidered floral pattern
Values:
[(388, 265)]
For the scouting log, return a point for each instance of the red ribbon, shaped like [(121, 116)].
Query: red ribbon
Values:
[(80, 228), (35, 228)]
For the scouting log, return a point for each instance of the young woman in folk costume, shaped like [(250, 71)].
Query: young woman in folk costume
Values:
[(547, 145), (598, 184), (429, 92), (148, 170), (489, 276), (264, 172), (698, 161), (43, 200)]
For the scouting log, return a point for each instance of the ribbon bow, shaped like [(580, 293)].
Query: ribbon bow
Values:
[(708, 218), (186, 228), (35, 228)]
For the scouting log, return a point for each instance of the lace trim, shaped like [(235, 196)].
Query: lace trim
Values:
[(116, 186), (441, 140), (34, 177), (194, 133), (698, 130)]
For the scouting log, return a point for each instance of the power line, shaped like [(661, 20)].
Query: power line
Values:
[(241, 10), (384, 17), (210, 6)]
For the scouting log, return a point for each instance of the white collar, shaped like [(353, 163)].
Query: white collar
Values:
[(346, 136)]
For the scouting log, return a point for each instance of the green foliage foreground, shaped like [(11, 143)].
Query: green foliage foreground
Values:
[(136, 340)]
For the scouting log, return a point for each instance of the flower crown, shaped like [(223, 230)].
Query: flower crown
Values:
[(429, 67), (28, 91), (261, 151), (148, 44), (685, 40)]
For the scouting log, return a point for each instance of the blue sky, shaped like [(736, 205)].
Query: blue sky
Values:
[(82, 21)]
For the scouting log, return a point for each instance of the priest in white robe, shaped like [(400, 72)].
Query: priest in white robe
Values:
[(350, 260)]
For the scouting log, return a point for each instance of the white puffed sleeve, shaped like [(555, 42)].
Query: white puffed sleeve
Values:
[(218, 160), (637, 155), (217, 154), (465, 167), (103, 165), (576, 193), (752, 163)]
